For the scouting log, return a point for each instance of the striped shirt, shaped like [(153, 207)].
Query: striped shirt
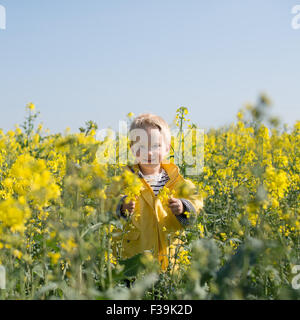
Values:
[(157, 181)]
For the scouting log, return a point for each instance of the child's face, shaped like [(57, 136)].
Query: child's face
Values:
[(150, 148)]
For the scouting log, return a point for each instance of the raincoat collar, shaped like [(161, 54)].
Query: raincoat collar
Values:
[(171, 169)]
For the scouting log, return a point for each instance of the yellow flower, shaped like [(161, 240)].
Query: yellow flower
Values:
[(110, 229), (223, 236), (253, 218), (31, 179), (164, 195), (54, 257), (89, 210), (17, 254), (233, 244), (14, 214), (240, 115), (132, 185), (130, 115), (201, 229), (112, 259), (30, 106), (188, 214), (70, 245), (183, 258)]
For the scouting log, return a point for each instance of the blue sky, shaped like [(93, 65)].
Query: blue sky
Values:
[(98, 60)]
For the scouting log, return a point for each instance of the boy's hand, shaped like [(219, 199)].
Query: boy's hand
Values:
[(128, 206), (176, 206)]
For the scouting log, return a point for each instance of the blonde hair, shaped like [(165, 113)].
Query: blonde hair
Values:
[(153, 121)]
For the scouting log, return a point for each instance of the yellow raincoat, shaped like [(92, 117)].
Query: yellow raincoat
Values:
[(152, 224)]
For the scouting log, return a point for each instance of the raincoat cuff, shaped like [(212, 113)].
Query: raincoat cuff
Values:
[(187, 207), (119, 212)]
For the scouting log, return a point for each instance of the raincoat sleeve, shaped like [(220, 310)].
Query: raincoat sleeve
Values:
[(119, 212)]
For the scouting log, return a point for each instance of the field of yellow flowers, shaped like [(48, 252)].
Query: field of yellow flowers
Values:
[(57, 218)]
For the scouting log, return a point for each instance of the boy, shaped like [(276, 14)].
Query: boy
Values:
[(151, 223)]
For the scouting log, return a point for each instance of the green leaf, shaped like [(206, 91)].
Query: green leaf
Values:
[(132, 266)]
